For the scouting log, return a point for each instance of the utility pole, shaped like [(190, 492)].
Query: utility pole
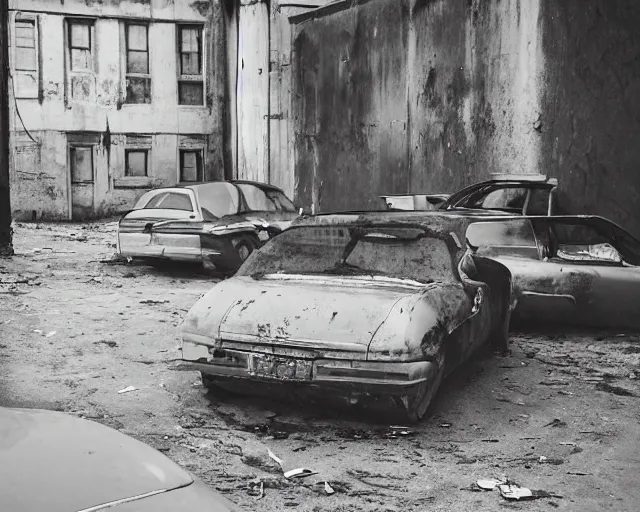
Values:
[(6, 235)]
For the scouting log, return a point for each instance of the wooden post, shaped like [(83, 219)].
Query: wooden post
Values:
[(6, 238)]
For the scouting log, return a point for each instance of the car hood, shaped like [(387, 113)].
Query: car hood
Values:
[(320, 313), (62, 463)]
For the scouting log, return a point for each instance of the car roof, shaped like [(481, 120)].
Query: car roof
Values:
[(194, 184)]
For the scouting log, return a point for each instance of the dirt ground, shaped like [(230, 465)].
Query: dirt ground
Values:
[(561, 413)]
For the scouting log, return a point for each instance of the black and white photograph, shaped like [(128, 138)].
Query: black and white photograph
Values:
[(319, 255)]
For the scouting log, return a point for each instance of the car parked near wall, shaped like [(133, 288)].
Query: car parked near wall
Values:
[(216, 223), (55, 462), (525, 194), (365, 306), (582, 269)]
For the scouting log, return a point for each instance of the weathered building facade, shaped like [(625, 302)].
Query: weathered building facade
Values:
[(111, 98), (397, 96)]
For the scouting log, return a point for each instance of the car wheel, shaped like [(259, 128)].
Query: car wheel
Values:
[(244, 246)]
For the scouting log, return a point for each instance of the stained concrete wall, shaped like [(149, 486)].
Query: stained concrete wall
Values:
[(591, 117), (413, 95), (40, 174)]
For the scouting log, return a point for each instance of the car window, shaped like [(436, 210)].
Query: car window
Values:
[(509, 198), (282, 202), (583, 243), (217, 199), (171, 201), (538, 201), (347, 250), (509, 233), (256, 198), (144, 199)]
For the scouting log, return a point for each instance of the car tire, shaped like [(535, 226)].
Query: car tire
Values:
[(244, 246)]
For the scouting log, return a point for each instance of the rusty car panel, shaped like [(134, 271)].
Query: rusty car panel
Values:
[(581, 270), (366, 304)]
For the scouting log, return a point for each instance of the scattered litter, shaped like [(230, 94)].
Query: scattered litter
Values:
[(397, 430), (276, 458), (328, 489), (445, 425), (38, 331), (109, 343), (97, 279), (151, 301), (515, 492), (299, 473), (127, 389), (490, 440), (568, 443), (261, 495), (50, 333), (554, 382), (578, 473), (547, 460), (490, 484), (556, 423)]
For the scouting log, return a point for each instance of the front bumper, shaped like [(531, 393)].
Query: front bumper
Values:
[(351, 376)]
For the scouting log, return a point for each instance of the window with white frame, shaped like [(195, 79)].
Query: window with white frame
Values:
[(81, 44), (26, 65), (137, 61), (190, 65)]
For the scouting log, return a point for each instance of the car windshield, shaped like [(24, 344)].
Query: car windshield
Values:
[(346, 250), (217, 199)]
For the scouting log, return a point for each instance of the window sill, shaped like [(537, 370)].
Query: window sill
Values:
[(133, 182)]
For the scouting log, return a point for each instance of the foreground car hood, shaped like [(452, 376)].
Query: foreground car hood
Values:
[(309, 312), (55, 462)]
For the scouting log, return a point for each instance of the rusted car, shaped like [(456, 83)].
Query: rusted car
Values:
[(56, 462), (361, 306), (525, 194), (582, 270), (216, 223)]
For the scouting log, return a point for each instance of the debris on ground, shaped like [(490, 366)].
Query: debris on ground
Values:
[(152, 301), (274, 457), (556, 423), (397, 430), (515, 492), (299, 473), (328, 489), (490, 484), (49, 334), (127, 389)]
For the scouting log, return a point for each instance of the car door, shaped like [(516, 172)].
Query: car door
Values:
[(586, 261)]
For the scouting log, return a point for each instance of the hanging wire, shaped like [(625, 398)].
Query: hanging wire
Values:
[(15, 101)]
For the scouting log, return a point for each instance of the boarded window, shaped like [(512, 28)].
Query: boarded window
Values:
[(138, 78), (26, 57), (80, 45), (81, 159), (190, 73), (191, 165), (136, 162)]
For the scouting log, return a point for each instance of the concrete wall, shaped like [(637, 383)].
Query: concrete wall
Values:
[(591, 117), (40, 170), (413, 95)]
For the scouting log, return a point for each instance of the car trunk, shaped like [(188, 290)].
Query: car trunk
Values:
[(322, 315)]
